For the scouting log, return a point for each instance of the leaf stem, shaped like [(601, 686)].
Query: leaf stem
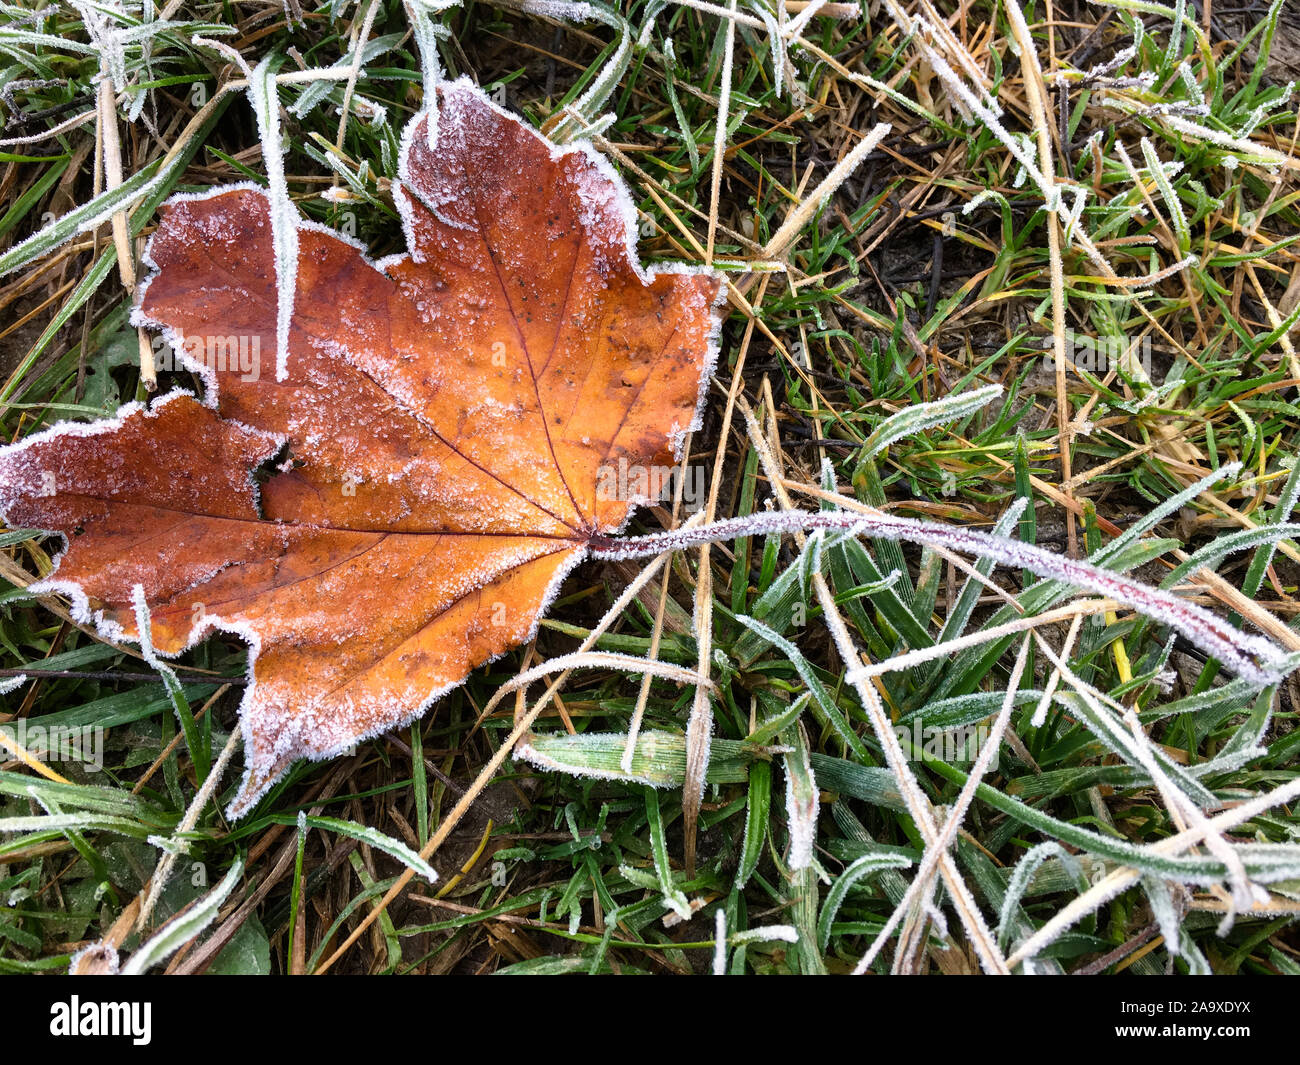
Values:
[(1252, 657)]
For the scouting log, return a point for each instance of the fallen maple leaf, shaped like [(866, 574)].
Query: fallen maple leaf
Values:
[(446, 419)]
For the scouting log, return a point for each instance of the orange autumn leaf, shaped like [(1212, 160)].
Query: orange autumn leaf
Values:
[(440, 441)]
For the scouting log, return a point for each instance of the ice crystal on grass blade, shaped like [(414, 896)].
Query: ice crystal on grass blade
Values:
[(284, 216), (801, 804), (184, 928), (12, 684)]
